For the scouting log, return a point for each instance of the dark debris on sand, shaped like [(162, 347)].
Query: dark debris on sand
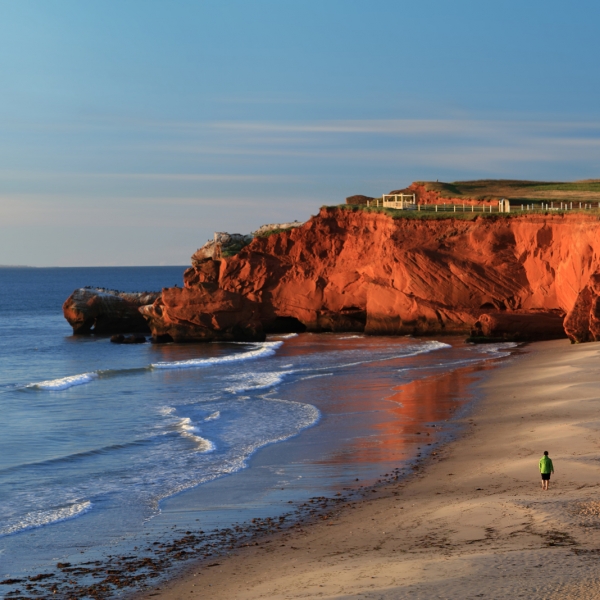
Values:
[(103, 579)]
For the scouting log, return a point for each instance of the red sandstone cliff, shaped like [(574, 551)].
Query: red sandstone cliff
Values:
[(361, 271)]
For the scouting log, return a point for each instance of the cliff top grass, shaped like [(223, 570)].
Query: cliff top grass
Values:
[(414, 214), (270, 232), (463, 216), (424, 214), (518, 191)]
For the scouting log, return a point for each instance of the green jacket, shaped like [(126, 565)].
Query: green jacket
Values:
[(546, 465)]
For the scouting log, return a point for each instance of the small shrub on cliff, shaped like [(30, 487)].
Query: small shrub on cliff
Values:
[(270, 232), (233, 248)]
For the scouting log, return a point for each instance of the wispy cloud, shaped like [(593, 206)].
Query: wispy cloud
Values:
[(213, 177), (413, 126), (63, 210), (168, 177), (267, 162), (444, 140), (428, 127)]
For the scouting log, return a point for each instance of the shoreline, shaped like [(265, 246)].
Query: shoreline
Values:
[(471, 521), (371, 426)]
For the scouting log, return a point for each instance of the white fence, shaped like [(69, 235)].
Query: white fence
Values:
[(408, 202)]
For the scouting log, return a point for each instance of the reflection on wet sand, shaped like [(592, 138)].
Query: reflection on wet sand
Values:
[(409, 419)]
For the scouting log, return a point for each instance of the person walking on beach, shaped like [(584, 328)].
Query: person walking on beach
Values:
[(546, 467)]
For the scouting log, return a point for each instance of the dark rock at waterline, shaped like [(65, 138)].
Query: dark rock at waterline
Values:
[(130, 339), (518, 326)]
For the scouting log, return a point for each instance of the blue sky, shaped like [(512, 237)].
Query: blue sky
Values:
[(130, 130)]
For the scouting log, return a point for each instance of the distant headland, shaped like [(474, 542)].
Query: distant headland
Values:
[(17, 267)]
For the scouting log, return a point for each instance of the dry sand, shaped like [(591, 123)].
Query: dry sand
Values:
[(472, 523)]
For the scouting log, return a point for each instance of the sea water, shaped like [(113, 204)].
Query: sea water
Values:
[(101, 443)]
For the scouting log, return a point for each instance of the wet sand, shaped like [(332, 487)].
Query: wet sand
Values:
[(472, 522)]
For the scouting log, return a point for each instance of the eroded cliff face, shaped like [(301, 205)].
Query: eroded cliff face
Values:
[(351, 270)]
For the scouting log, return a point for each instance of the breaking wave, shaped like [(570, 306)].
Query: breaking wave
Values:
[(64, 382), (258, 381), (37, 519), (264, 349), (186, 429)]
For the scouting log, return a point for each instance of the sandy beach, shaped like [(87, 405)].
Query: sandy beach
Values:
[(473, 522)]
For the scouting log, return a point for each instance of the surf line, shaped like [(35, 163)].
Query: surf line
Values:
[(63, 383)]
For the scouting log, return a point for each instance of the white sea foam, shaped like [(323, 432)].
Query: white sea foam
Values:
[(446, 365), (64, 382), (423, 349), (261, 350), (286, 336), (307, 415), (187, 430), (500, 348), (36, 519), (316, 375), (214, 416), (257, 381)]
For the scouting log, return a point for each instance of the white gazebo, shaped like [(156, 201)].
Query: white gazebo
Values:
[(504, 206), (399, 201)]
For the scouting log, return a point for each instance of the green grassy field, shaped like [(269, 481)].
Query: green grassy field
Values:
[(518, 190)]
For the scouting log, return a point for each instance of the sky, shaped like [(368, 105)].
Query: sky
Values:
[(131, 130)]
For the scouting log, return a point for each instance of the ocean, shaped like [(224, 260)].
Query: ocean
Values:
[(104, 446)]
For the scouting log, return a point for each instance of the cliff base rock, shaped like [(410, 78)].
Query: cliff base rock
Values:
[(582, 324), (518, 326), (204, 313)]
